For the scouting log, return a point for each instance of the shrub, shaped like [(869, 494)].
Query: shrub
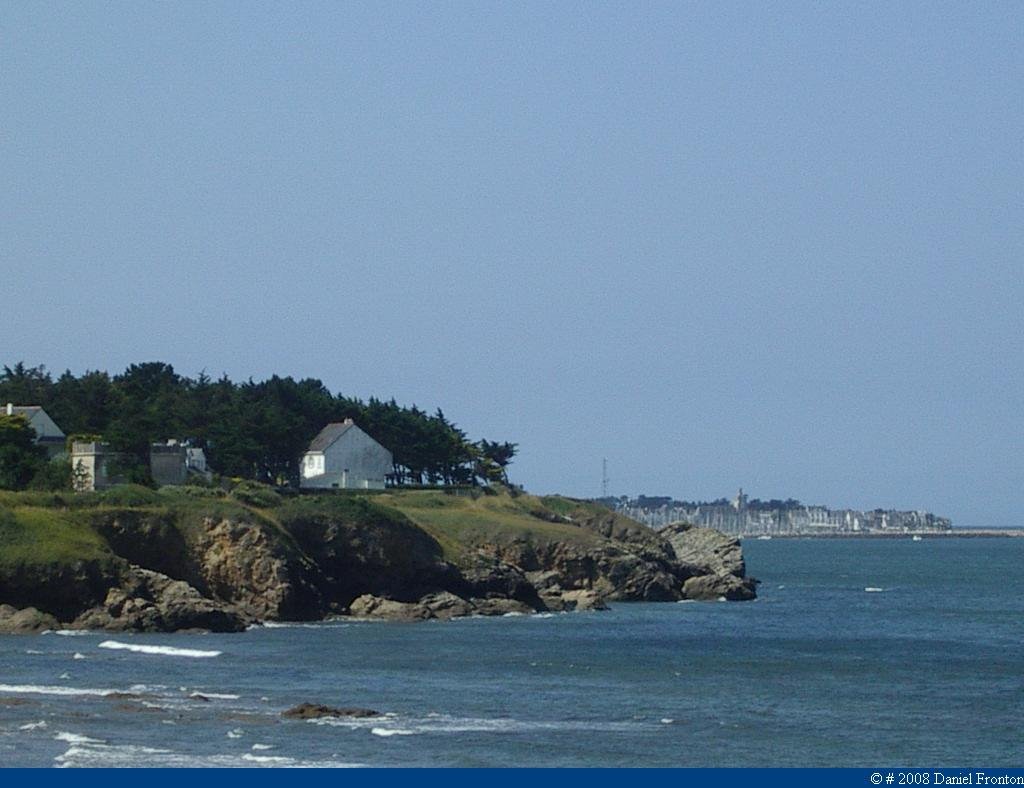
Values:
[(255, 494)]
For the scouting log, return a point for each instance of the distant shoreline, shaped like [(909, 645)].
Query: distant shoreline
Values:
[(956, 533)]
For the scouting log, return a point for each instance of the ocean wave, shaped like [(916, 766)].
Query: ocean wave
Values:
[(85, 752), (301, 624), (38, 689), (78, 655), (169, 651), (274, 759), (69, 632), (76, 738), (874, 589), (214, 695), (443, 723), (32, 726)]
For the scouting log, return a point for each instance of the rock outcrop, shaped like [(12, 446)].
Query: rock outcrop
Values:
[(27, 621), (148, 601), (442, 605), (712, 562), (314, 711), (221, 566)]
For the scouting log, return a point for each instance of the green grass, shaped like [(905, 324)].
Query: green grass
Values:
[(459, 523), (40, 527), (35, 535)]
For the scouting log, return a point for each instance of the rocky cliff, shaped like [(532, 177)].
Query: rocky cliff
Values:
[(183, 559)]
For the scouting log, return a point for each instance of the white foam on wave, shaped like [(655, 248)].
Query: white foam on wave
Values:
[(237, 733), (214, 695), (78, 655), (874, 590), (148, 687), (169, 651), (275, 759), (443, 723), (76, 738), (32, 726), (67, 632), (91, 752), (33, 651), (263, 746), (299, 625), (36, 689)]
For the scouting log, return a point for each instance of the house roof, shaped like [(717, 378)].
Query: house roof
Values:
[(330, 434), (23, 410)]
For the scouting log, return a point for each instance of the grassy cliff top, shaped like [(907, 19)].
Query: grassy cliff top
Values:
[(38, 528)]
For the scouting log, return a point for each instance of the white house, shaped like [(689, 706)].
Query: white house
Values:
[(48, 434), (343, 456)]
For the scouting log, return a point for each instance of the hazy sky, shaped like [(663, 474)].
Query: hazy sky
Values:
[(777, 246)]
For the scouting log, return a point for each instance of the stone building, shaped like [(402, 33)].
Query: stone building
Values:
[(174, 463), (93, 466)]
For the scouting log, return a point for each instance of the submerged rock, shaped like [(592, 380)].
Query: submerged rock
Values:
[(312, 711)]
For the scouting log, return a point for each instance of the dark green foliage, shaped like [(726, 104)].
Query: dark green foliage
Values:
[(20, 458), (249, 430), (54, 475)]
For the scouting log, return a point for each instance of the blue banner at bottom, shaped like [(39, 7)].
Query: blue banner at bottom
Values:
[(527, 777)]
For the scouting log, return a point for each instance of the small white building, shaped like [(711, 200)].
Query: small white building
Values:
[(342, 456), (92, 466), (48, 434)]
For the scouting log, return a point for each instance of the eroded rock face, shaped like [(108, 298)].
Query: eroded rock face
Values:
[(713, 562), (223, 572), (575, 600), (614, 571), (705, 550), (728, 587), (242, 564), (245, 563), (385, 558), (27, 621), (148, 601)]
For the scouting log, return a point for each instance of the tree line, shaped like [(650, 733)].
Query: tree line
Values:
[(253, 430)]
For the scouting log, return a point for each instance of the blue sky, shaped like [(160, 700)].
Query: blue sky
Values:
[(777, 245)]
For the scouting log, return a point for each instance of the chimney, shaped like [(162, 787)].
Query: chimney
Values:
[(10, 408), (348, 421)]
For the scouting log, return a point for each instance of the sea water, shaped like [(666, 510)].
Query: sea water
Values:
[(926, 669)]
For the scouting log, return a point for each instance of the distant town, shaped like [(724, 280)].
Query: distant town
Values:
[(743, 516)]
